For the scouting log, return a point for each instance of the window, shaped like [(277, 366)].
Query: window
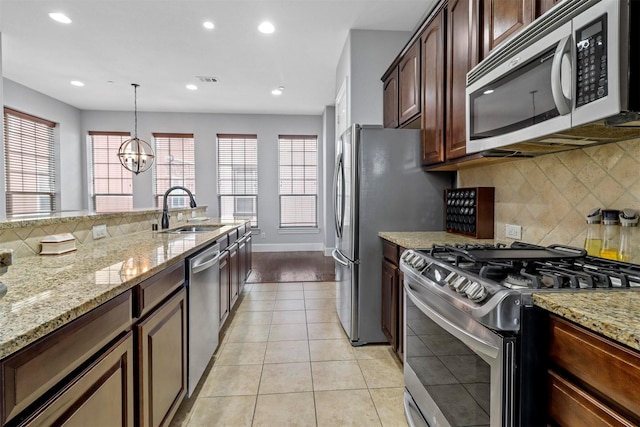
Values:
[(238, 176), (174, 165), (29, 163), (298, 175), (112, 188)]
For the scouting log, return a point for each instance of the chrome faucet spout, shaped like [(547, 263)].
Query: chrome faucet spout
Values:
[(165, 207)]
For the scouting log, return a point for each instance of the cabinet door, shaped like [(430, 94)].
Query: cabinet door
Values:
[(409, 84), (162, 361), (242, 263), (461, 57), (390, 100), (400, 316), (224, 288), (234, 277), (101, 395), (433, 92), (543, 5), (502, 19), (248, 250), (389, 302)]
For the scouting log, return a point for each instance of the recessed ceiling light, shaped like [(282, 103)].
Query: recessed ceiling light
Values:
[(277, 91), (266, 27), (192, 87), (60, 17), (77, 83), (208, 25)]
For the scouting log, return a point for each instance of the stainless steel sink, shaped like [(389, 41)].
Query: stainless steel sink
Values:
[(187, 229)]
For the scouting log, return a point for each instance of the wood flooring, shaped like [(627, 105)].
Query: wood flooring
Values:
[(270, 267)]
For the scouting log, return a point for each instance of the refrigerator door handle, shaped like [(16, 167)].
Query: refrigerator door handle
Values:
[(338, 205), (340, 258)]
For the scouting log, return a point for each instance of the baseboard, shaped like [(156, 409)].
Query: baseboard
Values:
[(288, 247)]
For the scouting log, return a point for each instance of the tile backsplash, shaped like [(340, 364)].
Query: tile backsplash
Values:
[(24, 237), (549, 196)]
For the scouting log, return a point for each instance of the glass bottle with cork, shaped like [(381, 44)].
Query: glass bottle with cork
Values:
[(611, 234), (628, 240), (593, 240)]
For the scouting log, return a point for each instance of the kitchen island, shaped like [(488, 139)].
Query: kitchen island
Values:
[(47, 292)]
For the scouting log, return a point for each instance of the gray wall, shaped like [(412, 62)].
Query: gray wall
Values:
[(3, 202), (74, 125), (205, 127), (69, 180), (365, 57)]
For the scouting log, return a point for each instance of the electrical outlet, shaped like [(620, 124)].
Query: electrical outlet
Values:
[(513, 231), (263, 235), (99, 231), (179, 216)]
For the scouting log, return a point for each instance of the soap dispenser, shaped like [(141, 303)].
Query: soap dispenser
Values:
[(628, 239), (593, 240), (611, 234)]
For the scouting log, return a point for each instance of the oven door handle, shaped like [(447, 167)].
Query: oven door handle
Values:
[(476, 343)]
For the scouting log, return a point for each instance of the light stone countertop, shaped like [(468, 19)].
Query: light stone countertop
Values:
[(46, 292), (614, 314)]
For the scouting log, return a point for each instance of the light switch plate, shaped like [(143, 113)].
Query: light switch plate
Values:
[(513, 231), (99, 231), (179, 216)]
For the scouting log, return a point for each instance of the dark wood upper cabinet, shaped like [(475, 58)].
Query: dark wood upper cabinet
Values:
[(409, 84), (543, 5), (432, 41), (502, 19), (390, 100), (461, 57)]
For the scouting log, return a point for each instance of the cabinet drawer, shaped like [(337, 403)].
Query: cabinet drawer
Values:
[(610, 370), (101, 395), (571, 406), (34, 370), (156, 288), (390, 251), (223, 241)]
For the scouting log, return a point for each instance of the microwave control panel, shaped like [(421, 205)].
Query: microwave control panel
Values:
[(591, 51)]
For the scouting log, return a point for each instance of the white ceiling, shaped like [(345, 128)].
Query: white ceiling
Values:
[(162, 45)]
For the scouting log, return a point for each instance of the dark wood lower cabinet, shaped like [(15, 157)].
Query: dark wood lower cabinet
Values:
[(162, 361), (234, 275), (101, 395), (592, 380), (225, 306), (392, 297)]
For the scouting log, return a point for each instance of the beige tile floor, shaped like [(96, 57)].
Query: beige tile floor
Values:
[(284, 360)]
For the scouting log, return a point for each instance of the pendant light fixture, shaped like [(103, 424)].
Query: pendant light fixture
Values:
[(135, 154)]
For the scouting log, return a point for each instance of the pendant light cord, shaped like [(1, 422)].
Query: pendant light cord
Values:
[(135, 110)]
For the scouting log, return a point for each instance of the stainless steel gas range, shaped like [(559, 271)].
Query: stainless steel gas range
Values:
[(472, 346)]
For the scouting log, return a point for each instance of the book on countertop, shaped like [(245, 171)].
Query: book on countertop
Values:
[(58, 244)]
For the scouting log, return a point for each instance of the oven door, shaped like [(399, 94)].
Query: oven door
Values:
[(457, 372)]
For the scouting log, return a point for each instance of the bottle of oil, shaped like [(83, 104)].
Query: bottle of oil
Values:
[(611, 234), (593, 241), (628, 240)]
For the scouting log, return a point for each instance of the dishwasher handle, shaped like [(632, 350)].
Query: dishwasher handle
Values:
[(200, 265)]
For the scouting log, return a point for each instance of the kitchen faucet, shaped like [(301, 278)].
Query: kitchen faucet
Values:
[(165, 208)]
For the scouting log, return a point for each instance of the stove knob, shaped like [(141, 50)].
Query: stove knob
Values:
[(476, 292), (407, 256), (461, 284), (450, 279), (419, 263)]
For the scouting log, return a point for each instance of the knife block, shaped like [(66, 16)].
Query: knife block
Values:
[(469, 211)]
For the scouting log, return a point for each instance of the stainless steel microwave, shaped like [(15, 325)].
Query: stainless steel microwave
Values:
[(568, 80)]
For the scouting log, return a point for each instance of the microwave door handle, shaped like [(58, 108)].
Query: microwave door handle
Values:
[(563, 104)]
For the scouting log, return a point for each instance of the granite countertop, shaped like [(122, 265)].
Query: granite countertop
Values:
[(46, 292), (424, 239), (613, 314)]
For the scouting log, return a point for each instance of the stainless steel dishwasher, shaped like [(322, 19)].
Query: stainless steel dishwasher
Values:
[(203, 293)]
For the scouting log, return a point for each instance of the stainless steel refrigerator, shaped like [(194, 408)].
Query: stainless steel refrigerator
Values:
[(379, 185)]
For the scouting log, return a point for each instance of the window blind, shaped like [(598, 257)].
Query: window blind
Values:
[(174, 165), (238, 176), (29, 163), (112, 188), (298, 177)]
